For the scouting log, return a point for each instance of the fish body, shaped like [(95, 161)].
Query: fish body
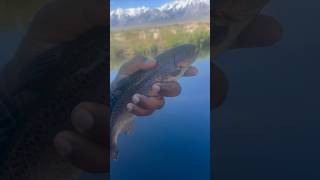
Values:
[(54, 83), (231, 17), (171, 65)]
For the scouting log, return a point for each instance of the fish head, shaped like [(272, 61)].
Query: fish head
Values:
[(183, 56), (175, 61), (178, 57)]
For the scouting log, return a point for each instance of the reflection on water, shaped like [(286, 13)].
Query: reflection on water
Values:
[(173, 143)]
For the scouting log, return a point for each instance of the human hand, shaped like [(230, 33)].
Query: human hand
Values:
[(142, 105), (87, 148), (61, 21), (57, 22)]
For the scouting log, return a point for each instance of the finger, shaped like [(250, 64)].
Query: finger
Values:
[(192, 71), (81, 152), (155, 89), (143, 63), (136, 110), (150, 103), (90, 120), (137, 63), (262, 31), (169, 89)]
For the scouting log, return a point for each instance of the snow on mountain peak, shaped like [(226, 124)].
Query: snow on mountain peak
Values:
[(129, 12), (170, 11), (137, 11), (180, 4)]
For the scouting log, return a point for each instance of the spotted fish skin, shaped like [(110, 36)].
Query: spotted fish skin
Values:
[(171, 64), (55, 82)]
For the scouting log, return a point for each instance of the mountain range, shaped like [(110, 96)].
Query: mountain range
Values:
[(175, 11)]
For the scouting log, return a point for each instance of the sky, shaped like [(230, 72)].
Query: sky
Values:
[(136, 3)]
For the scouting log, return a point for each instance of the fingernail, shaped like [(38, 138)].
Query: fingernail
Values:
[(136, 99), (63, 147), (149, 62), (156, 88), (84, 121), (130, 107)]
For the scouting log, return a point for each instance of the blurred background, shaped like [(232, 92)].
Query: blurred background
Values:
[(268, 128), (173, 143)]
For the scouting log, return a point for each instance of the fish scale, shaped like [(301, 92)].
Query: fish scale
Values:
[(170, 65)]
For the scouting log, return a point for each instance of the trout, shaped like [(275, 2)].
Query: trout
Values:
[(171, 65)]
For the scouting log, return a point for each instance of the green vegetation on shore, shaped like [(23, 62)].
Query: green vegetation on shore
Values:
[(150, 41)]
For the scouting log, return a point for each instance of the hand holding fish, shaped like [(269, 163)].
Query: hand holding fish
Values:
[(59, 21), (142, 105), (88, 146)]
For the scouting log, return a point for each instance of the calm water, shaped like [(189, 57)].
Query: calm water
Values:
[(173, 143)]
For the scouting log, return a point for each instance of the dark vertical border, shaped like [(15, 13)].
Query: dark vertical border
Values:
[(211, 89), (108, 78)]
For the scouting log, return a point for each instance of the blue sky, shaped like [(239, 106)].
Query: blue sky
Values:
[(136, 3)]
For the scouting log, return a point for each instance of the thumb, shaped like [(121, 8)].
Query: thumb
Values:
[(136, 64)]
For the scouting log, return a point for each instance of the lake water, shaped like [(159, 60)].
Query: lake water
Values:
[(174, 142)]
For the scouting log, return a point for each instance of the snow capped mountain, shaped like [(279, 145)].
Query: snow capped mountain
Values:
[(129, 12), (169, 12), (180, 4)]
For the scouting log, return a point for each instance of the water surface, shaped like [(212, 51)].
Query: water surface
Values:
[(174, 142)]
